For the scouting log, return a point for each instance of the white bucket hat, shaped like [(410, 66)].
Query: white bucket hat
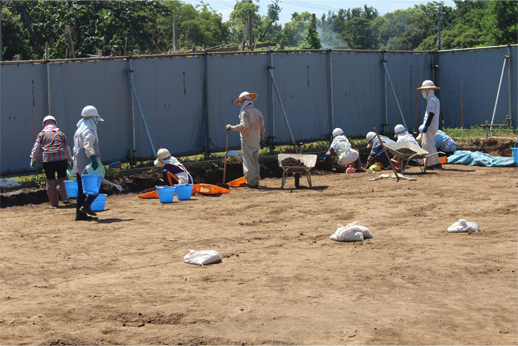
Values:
[(244, 95), (427, 84), (91, 111), (338, 131), (398, 129), (47, 118), (163, 153)]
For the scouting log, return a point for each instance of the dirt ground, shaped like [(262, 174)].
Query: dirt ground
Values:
[(121, 279)]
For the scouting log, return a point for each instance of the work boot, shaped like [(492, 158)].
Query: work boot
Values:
[(63, 190), (87, 210), (52, 192), (83, 217)]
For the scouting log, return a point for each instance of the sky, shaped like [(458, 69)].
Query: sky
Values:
[(318, 7)]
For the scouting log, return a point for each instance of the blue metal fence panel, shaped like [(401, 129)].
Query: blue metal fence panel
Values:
[(479, 71), (104, 85), (171, 93), (22, 88), (302, 79), (228, 76)]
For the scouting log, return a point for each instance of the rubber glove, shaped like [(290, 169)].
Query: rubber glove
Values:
[(323, 158), (425, 128), (95, 164), (228, 127), (261, 143), (33, 165), (69, 166)]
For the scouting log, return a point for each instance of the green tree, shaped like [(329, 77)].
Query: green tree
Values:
[(293, 32), (501, 22), (312, 39), (14, 33)]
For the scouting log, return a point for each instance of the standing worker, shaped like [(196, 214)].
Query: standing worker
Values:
[(430, 123), (86, 150), (342, 148), (56, 157), (251, 128)]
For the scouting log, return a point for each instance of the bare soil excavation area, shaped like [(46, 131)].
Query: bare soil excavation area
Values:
[(121, 279)]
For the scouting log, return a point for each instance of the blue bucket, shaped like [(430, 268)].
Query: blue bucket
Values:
[(515, 154), (71, 187), (99, 202), (91, 184), (183, 191), (165, 193)]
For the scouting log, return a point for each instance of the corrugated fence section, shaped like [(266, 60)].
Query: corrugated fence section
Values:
[(186, 101)]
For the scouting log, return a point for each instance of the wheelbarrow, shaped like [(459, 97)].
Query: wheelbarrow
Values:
[(407, 151), (297, 171)]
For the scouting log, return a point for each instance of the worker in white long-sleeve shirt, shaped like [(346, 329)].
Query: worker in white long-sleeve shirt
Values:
[(346, 155), (430, 123)]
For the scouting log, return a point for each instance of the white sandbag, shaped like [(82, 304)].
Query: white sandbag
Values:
[(357, 225), (463, 226), (202, 257), (355, 231)]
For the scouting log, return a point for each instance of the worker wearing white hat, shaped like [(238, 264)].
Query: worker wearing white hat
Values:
[(377, 153), (173, 166), (430, 122), (251, 128), (402, 135), (56, 157), (342, 148), (86, 150)]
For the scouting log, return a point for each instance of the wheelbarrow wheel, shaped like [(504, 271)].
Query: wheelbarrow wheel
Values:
[(297, 179)]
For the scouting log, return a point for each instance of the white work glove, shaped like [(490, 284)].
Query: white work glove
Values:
[(228, 127)]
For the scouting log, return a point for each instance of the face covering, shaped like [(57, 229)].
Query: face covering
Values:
[(245, 103), (427, 93)]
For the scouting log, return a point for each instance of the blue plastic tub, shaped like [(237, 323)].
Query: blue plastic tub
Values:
[(71, 187), (165, 193), (91, 184), (99, 202), (183, 191)]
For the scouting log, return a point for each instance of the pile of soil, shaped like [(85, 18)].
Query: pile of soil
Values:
[(292, 162)]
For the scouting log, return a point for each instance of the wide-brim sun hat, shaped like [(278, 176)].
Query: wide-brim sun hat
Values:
[(47, 118), (398, 129), (91, 111), (428, 84), (244, 95), (163, 153)]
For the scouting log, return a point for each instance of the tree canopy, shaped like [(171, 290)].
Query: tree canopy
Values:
[(126, 27)]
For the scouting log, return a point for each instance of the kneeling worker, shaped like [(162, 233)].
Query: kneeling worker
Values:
[(172, 166), (377, 153), (342, 148), (442, 141)]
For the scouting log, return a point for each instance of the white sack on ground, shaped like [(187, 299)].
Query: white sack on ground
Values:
[(202, 257), (463, 226), (355, 231)]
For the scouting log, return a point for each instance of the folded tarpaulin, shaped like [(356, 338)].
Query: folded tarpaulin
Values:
[(465, 157)]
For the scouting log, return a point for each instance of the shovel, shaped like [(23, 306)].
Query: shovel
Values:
[(225, 165)]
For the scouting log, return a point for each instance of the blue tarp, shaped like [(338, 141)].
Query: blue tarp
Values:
[(465, 157)]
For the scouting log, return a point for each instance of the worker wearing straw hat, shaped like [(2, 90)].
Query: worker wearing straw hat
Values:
[(430, 122), (251, 128), (56, 157), (86, 150)]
